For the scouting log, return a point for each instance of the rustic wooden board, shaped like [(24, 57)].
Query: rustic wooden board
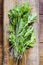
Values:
[(41, 31), (1, 34), (41, 28), (41, 53), (41, 8), (31, 57), (1, 7), (1, 55)]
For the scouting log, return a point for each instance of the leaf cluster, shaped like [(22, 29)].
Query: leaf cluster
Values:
[(21, 30)]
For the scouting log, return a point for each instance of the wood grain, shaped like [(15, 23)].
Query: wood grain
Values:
[(41, 32), (41, 28), (41, 53), (41, 8), (1, 34), (31, 57), (1, 7), (1, 53), (8, 4)]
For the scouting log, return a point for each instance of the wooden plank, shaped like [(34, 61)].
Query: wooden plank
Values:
[(1, 28), (41, 8), (41, 28), (8, 4), (41, 1), (1, 12), (1, 55), (31, 57), (41, 49), (41, 31), (1, 3), (1, 33), (1, 19), (41, 53), (1, 7)]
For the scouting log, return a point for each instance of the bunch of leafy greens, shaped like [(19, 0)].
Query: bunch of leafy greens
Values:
[(21, 30)]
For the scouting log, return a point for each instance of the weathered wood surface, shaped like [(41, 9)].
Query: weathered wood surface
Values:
[(41, 31), (41, 7), (41, 28), (31, 57), (1, 33)]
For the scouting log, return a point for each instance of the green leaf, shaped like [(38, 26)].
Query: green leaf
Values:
[(11, 28), (22, 35), (32, 18)]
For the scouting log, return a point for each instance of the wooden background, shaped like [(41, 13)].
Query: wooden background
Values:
[(1, 31), (41, 31)]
